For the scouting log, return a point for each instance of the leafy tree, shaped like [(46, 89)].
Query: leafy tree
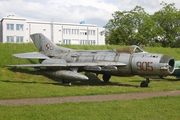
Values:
[(131, 27), (168, 18)]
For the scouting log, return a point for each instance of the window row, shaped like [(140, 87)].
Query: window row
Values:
[(82, 42), (78, 32), (19, 27), (87, 42), (11, 39)]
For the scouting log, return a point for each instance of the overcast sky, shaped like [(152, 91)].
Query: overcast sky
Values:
[(73, 11)]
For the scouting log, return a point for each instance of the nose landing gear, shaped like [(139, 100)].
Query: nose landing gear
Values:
[(145, 83)]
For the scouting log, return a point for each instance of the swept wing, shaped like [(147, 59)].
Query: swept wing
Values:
[(71, 64)]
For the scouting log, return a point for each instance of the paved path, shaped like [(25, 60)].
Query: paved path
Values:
[(91, 98)]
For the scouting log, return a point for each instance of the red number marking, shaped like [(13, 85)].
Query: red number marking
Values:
[(144, 66)]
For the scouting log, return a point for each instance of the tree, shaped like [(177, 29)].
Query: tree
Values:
[(131, 27), (168, 18), (138, 27)]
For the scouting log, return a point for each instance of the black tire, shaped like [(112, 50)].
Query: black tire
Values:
[(106, 77), (144, 84)]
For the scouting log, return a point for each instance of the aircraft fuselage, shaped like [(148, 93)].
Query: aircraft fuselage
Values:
[(143, 63)]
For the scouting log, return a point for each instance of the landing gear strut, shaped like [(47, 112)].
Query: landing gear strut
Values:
[(66, 83), (106, 77), (145, 83)]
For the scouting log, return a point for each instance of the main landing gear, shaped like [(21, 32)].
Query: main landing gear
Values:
[(106, 77), (145, 83)]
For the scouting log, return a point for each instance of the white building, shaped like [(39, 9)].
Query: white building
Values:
[(18, 30)]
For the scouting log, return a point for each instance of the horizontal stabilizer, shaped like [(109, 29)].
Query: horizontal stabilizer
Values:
[(31, 55)]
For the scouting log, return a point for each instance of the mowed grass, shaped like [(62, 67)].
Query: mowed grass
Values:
[(160, 108), (23, 83), (29, 84)]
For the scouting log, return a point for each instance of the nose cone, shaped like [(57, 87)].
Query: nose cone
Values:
[(168, 62), (83, 77)]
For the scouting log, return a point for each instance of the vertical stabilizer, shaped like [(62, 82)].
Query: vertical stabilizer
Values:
[(46, 46)]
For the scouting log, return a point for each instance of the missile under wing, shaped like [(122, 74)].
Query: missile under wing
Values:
[(65, 63)]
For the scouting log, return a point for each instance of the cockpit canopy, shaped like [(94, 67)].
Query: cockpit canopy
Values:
[(130, 49)]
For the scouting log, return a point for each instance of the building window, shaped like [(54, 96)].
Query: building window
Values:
[(10, 26), (83, 32), (87, 42), (91, 42), (75, 31), (19, 27), (19, 39), (10, 39), (91, 32), (66, 41), (83, 42), (67, 31)]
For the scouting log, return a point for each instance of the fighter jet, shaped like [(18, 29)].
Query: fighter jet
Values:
[(65, 63)]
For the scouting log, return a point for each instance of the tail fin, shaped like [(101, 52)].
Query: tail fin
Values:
[(44, 45)]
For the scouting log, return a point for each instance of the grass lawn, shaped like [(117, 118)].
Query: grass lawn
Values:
[(160, 108), (24, 83), (29, 84)]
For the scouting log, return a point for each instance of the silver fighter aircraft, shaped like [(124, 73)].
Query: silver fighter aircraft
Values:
[(65, 63)]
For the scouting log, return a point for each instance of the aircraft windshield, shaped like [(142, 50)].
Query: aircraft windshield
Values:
[(130, 49)]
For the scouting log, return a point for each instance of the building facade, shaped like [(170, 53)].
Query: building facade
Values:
[(18, 30)]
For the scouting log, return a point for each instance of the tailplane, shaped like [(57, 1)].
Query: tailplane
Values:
[(44, 45)]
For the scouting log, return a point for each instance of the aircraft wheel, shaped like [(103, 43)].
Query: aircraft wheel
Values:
[(145, 83), (106, 77)]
